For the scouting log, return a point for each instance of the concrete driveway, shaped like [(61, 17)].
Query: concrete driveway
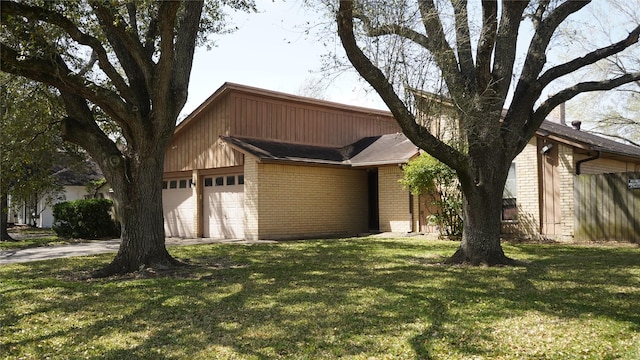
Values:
[(95, 247)]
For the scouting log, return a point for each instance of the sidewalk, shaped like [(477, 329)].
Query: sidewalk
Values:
[(94, 247)]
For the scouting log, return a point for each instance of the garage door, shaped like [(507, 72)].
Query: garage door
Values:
[(178, 206), (223, 207)]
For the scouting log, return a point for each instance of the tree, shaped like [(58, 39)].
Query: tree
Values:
[(131, 60), (30, 144), (477, 70)]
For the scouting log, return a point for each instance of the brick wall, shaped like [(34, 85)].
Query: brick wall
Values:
[(251, 199), (393, 200), (289, 201), (527, 197), (566, 167)]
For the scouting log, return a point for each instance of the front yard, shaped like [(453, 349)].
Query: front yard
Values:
[(364, 298)]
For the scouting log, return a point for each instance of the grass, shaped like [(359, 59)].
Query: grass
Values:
[(34, 237), (365, 298)]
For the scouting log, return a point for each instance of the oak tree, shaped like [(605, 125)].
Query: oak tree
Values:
[(31, 145), (477, 55), (131, 60)]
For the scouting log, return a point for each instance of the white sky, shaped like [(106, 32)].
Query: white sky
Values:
[(271, 51)]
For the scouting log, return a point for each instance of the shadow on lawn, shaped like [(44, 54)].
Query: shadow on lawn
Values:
[(332, 299)]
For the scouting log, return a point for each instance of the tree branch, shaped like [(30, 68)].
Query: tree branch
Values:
[(505, 48), (130, 53), (463, 43), (565, 95), (416, 133), (486, 42), (528, 90), (592, 57), (185, 38), (10, 8), (55, 73), (441, 50)]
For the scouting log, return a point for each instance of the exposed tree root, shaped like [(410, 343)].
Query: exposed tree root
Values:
[(120, 266), (495, 258)]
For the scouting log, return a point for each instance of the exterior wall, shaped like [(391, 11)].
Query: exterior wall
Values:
[(304, 121), (45, 217), (604, 166), (251, 199), (528, 195), (289, 201), (393, 200), (198, 145), (566, 166)]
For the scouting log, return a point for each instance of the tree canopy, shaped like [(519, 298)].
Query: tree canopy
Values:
[(131, 61)]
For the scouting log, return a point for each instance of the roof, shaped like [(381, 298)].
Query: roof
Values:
[(386, 149), (590, 141), (368, 151), (79, 174), (229, 87)]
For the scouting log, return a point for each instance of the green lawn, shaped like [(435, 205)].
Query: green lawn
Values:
[(365, 298), (34, 237)]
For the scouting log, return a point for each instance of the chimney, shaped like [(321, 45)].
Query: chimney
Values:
[(563, 119), (576, 124)]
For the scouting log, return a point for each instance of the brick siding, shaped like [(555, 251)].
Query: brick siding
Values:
[(289, 201)]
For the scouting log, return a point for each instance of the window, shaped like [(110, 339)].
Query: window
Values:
[(231, 180), (219, 181), (173, 184), (164, 185), (208, 182), (240, 179), (509, 203)]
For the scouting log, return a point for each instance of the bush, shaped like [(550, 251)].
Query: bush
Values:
[(87, 219), (426, 175)]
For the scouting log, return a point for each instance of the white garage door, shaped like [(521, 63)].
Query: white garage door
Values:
[(223, 207), (178, 206)]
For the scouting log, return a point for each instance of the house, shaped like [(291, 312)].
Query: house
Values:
[(544, 186), (259, 164), (75, 182), (545, 194)]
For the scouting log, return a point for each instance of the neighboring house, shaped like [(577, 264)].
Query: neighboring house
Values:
[(258, 164), (75, 183)]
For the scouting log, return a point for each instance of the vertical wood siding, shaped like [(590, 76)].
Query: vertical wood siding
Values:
[(244, 114), (198, 146), (302, 123), (606, 209)]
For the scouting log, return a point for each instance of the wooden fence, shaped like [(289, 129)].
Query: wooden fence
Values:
[(607, 207)]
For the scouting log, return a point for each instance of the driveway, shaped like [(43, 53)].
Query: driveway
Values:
[(95, 247)]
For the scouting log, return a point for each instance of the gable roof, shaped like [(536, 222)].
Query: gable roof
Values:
[(587, 140), (229, 87), (368, 151)]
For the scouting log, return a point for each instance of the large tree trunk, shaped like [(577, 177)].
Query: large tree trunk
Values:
[(482, 207), (139, 209)]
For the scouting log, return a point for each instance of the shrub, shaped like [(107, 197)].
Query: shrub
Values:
[(87, 219), (427, 175)]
